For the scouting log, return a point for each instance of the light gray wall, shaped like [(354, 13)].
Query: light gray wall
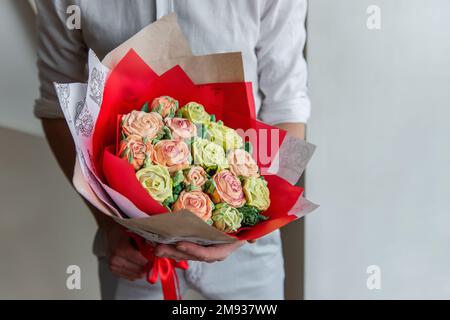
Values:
[(381, 173), (18, 80), (44, 226)]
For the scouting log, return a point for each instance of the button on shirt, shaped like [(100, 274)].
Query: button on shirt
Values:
[(269, 33)]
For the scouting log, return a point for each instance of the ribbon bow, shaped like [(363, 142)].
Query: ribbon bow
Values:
[(164, 268)]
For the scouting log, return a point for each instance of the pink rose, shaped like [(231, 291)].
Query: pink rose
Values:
[(228, 189), (172, 154), (196, 176), (143, 124), (195, 201), (242, 164), (181, 128), (135, 151)]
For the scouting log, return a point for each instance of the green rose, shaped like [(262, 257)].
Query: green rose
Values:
[(208, 154), (223, 136), (196, 113), (156, 180), (226, 218), (257, 193)]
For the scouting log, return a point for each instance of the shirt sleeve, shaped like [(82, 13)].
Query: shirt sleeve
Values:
[(281, 64), (62, 55)]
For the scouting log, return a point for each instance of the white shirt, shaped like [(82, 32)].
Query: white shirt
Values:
[(269, 33)]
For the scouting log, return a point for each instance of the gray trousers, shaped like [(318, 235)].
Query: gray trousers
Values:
[(253, 272)]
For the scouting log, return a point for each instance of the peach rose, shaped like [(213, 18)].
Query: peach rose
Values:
[(181, 128), (172, 154), (143, 124), (196, 176), (165, 106), (228, 189), (134, 150), (195, 201), (242, 164)]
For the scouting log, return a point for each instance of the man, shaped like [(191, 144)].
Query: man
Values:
[(271, 36)]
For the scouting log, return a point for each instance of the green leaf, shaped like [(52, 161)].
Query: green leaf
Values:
[(130, 157), (123, 136), (190, 188), (166, 133), (148, 161), (251, 216), (179, 114), (145, 107), (213, 118), (204, 131), (160, 134), (178, 189), (168, 202), (248, 147), (178, 178), (171, 114), (210, 186)]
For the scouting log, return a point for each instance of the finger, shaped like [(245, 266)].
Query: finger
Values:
[(209, 254), (199, 252), (227, 249), (133, 255), (169, 251), (124, 274), (120, 262)]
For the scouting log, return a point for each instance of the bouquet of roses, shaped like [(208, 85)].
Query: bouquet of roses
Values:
[(200, 168), (185, 159)]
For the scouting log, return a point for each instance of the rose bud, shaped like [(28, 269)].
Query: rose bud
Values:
[(228, 189), (156, 180), (257, 193), (195, 176), (242, 163), (181, 128), (165, 106), (196, 202), (172, 154), (135, 151), (226, 218), (143, 124)]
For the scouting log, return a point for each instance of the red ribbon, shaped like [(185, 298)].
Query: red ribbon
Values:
[(163, 268)]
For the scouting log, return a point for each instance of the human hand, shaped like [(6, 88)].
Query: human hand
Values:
[(124, 259), (195, 252)]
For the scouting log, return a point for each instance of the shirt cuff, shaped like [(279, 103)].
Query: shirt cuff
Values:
[(47, 109), (292, 111)]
